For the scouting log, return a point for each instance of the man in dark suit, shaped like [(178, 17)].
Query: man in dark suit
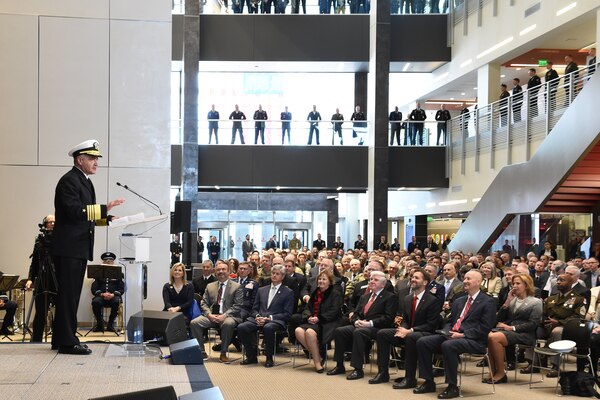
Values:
[(571, 75), (376, 310), (221, 305), (540, 275), (247, 247), (361, 287), (360, 243), (591, 277), (420, 317), (207, 277), (551, 78), (430, 244), (77, 214), (435, 288), (249, 288), (413, 245), (319, 243), (271, 312), (473, 317)]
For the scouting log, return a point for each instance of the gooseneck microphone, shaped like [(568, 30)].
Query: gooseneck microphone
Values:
[(140, 196)]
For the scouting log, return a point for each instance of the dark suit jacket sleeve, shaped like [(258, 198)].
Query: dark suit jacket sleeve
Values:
[(68, 198), (386, 319), (166, 296), (331, 310), (189, 293), (285, 314), (478, 327)]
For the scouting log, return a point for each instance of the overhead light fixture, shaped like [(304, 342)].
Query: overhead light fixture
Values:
[(502, 76), (452, 202), (518, 69), (463, 93), (566, 9), (406, 67), (465, 63), (476, 199), (278, 188), (401, 188), (585, 49), (451, 98), (217, 187), (527, 30), (339, 188), (475, 88), (495, 47)]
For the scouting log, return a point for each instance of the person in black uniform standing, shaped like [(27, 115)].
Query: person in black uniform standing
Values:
[(286, 117), (319, 243), (337, 126), (313, 118), (442, 116), (517, 94), (260, 116), (214, 249), (42, 277), (395, 119), (237, 116), (77, 214), (551, 79), (571, 75), (503, 104), (200, 249), (213, 124), (359, 124), (533, 86), (418, 114), (360, 243), (107, 293), (465, 115)]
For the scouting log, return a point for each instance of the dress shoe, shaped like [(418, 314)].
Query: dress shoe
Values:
[(249, 361), (224, 359), (320, 371), (77, 349), (450, 392), (482, 363), (527, 370), (426, 387), (510, 366), (552, 374), (98, 328), (204, 355), (6, 331), (269, 363), (337, 371), (356, 374), (379, 378), (489, 381), (110, 328), (216, 347), (347, 356), (405, 384)]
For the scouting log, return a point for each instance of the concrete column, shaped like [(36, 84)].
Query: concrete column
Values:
[(191, 56), (488, 84), (377, 114), (360, 91)]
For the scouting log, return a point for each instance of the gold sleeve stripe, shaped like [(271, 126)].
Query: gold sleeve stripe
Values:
[(94, 212)]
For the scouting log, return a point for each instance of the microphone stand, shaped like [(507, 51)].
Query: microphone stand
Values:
[(140, 196)]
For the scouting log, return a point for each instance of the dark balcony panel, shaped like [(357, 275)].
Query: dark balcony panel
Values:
[(293, 167), (420, 38), (284, 38), (417, 167)]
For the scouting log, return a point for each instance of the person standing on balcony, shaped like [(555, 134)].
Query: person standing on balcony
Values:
[(395, 119), (442, 116), (551, 79), (503, 104), (313, 118), (533, 86), (517, 94), (464, 119), (359, 126), (571, 75), (237, 116), (260, 116), (213, 124), (286, 117), (418, 114), (337, 126)]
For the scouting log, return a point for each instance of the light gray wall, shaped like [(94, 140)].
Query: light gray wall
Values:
[(72, 71)]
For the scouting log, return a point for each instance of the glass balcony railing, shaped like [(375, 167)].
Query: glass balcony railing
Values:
[(511, 127)]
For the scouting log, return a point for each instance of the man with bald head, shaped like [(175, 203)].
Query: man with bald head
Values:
[(473, 317)]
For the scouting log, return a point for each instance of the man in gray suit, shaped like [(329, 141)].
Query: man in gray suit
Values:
[(221, 305)]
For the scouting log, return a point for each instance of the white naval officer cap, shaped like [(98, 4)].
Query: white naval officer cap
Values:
[(89, 147)]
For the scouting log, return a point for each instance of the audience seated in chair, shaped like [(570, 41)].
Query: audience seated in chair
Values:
[(107, 293), (178, 295)]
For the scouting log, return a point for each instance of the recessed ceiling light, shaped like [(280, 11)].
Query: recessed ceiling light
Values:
[(451, 98), (463, 93), (339, 188), (502, 76)]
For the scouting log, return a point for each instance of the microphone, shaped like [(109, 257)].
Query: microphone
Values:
[(140, 196)]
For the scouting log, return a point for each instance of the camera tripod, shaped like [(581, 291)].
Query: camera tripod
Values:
[(45, 284)]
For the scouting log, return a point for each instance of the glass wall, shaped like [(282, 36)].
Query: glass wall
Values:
[(232, 226)]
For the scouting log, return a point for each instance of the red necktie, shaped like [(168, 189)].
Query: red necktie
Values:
[(412, 313), (220, 294), (456, 326), (369, 303)]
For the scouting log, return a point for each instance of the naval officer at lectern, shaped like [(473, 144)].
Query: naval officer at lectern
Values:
[(77, 215)]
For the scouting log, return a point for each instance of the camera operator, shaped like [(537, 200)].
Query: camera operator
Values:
[(42, 277)]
